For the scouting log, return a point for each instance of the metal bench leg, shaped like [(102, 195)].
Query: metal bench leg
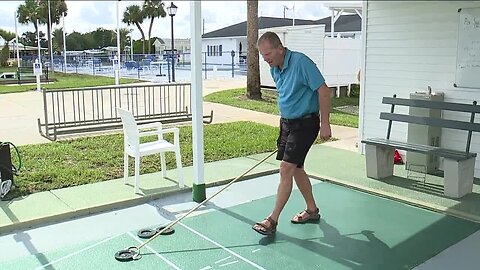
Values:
[(379, 161), (458, 177)]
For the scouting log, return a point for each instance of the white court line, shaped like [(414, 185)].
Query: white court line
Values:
[(253, 251), (156, 253), (79, 251), (224, 259), (206, 268), (225, 264), (224, 248)]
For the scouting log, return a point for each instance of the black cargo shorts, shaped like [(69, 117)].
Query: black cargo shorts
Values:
[(296, 137)]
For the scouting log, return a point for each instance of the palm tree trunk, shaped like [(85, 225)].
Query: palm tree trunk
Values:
[(149, 35), (253, 67), (143, 37)]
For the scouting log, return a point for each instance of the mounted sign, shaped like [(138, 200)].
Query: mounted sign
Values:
[(37, 69), (468, 48), (116, 65)]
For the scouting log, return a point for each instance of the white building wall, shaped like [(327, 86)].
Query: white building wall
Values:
[(410, 46), (228, 44), (307, 39), (342, 60), (337, 58)]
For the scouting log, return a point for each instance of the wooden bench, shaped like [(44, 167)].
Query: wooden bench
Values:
[(458, 165), (25, 75)]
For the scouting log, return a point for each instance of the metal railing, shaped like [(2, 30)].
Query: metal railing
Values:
[(79, 110)]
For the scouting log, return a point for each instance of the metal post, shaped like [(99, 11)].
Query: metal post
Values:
[(64, 46), (50, 37), (233, 63), (16, 41), (173, 55), (38, 41), (117, 71), (131, 47), (205, 65)]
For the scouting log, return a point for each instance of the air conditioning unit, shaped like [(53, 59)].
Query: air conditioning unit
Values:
[(423, 134)]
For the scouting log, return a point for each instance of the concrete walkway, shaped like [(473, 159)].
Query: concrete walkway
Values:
[(19, 113)]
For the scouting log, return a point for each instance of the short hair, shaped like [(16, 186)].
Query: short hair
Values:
[(272, 38)]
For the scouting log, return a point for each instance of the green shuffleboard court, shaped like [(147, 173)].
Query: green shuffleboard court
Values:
[(357, 231)]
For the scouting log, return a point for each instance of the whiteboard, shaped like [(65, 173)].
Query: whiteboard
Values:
[(468, 49)]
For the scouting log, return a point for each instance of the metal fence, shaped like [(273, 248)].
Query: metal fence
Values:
[(79, 110), (223, 64)]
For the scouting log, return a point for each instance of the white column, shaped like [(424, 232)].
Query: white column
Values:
[(332, 23), (197, 100)]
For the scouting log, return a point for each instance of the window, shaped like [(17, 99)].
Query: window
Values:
[(214, 50)]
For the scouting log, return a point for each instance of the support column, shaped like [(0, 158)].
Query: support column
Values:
[(199, 191), (458, 177), (379, 161)]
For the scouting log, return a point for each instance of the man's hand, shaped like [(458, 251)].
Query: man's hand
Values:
[(325, 131)]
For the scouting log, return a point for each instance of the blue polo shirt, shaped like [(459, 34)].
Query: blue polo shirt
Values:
[(297, 84)]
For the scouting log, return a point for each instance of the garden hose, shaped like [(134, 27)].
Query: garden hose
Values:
[(14, 169), (6, 184)]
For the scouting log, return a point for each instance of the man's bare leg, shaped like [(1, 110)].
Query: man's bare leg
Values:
[(287, 170), (305, 187)]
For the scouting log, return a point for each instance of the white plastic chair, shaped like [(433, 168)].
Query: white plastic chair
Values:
[(133, 147)]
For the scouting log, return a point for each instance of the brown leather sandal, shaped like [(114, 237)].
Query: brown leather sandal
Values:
[(313, 217), (266, 230)]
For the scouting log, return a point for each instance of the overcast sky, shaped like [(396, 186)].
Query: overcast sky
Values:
[(86, 16)]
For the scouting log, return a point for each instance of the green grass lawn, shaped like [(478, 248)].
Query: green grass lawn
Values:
[(268, 104), (69, 80), (98, 158)]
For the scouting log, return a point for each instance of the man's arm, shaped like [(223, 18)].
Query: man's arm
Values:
[(325, 104)]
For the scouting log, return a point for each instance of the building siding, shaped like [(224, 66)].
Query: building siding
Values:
[(298, 38), (410, 46)]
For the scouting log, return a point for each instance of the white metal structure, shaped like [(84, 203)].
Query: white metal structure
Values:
[(133, 147), (339, 8)]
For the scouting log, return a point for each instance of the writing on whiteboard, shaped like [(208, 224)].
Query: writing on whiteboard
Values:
[(470, 49)]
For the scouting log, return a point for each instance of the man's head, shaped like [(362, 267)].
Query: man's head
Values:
[(271, 49)]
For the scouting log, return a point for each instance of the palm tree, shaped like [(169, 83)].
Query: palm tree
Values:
[(134, 15), (253, 66), (153, 9), (7, 36), (5, 52), (57, 39), (29, 13), (58, 9), (124, 37), (33, 10)]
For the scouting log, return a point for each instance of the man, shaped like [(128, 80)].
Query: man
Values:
[(302, 92)]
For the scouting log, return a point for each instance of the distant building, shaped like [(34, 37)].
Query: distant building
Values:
[(218, 44)]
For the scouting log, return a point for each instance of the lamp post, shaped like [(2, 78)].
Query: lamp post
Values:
[(172, 10)]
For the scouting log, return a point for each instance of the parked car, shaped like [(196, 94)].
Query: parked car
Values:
[(8, 76)]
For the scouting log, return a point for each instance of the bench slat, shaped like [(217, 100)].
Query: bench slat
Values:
[(432, 104), (453, 124), (419, 148)]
